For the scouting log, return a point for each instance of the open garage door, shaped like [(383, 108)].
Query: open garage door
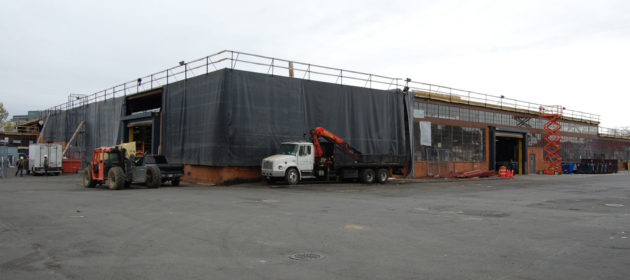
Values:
[(508, 147), (142, 123)]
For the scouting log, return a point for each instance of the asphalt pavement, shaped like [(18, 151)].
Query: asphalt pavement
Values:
[(528, 227)]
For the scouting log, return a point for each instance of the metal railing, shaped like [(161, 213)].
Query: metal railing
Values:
[(288, 68), (614, 133), (235, 60), (491, 101)]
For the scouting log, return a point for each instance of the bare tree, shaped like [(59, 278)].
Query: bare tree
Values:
[(3, 116)]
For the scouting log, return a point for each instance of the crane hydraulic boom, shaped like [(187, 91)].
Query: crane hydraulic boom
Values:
[(339, 143)]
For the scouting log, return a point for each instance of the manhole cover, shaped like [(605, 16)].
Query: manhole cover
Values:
[(614, 205), (306, 256)]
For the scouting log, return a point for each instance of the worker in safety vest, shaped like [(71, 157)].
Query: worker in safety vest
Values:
[(20, 167), (46, 164)]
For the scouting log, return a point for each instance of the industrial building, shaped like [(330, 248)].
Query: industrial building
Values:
[(14, 144), (221, 114)]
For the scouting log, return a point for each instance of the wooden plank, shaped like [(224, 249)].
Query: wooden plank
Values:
[(76, 132)]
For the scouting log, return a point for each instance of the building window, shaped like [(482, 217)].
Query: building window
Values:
[(463, 143), (497, 118)]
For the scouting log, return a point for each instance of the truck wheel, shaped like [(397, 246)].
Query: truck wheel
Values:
[(292, 177), (116, 178), (87, 178), (382, 175), (367, 176), (175, 181), (154, 179)]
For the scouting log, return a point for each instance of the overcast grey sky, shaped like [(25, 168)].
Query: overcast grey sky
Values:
[(571, 53)]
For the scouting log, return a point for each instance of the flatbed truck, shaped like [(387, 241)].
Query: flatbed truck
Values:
[(332, 159)]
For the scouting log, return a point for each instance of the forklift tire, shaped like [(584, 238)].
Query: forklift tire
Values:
[(382, 175), (154, 179), (87, 178), (116, 178), (292, 177), (175, 182), (367, 175)]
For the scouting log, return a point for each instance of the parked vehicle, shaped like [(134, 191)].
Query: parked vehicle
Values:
[(168, 171), (38, 153), (118, 166), (332, 159)]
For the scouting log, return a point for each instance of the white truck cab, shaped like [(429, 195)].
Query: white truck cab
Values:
[(294, 163)]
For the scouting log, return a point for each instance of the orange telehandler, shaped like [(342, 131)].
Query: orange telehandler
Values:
[(119, 166)]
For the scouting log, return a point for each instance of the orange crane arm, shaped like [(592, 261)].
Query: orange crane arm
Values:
[(339, 143)]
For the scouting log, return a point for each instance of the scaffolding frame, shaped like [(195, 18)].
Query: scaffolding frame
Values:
[(552, 148)]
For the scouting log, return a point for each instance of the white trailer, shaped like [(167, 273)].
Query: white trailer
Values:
[(37, 154)]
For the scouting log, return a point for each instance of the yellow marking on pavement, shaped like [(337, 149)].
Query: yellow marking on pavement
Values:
[(354, 227)]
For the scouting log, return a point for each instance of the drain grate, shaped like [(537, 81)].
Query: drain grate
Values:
[(305, 256)]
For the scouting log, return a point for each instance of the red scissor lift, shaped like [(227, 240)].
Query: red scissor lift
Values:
[(552, 149)]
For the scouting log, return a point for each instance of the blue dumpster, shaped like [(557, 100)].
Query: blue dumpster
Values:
[(568, 168)]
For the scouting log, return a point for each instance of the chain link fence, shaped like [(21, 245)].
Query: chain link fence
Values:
[(438, 162), (4, 167)]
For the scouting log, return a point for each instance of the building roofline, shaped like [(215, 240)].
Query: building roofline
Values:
[(289, 68)]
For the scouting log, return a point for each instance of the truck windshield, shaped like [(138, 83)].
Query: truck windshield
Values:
[(288, 149)]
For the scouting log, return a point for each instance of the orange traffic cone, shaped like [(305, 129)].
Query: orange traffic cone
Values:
[(502, 171)]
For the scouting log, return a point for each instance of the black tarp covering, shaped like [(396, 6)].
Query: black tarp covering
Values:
[(101, 129), (55, 126), (236, 118), (105, 119)]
